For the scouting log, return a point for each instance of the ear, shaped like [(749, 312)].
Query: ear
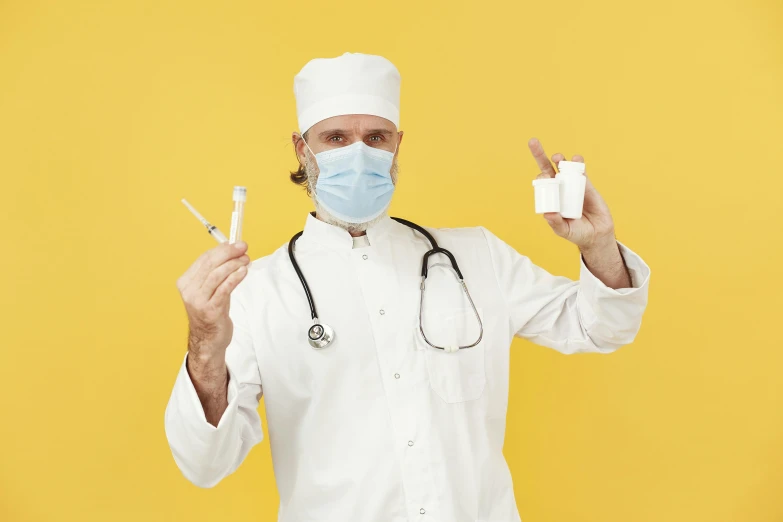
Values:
[(399, 142), (299, 146)]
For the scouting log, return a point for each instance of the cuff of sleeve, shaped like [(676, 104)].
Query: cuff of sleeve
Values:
[(592, 290), (638, 269), (190, 407)]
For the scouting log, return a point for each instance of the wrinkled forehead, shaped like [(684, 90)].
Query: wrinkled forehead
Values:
[(353, 124)]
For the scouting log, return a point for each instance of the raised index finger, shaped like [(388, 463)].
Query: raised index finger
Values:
[(540, 156)]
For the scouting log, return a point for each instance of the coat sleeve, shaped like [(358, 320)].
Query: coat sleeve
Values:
[(569, 316), (205, 454)]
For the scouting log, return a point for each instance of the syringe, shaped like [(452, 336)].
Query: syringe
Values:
[(212, 229)]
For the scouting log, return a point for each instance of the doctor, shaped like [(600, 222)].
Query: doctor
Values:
[(380, 425)]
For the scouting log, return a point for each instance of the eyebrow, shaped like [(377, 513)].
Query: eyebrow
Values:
[(329, 132)]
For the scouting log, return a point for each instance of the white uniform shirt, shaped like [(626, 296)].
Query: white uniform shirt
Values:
[(379, 426)]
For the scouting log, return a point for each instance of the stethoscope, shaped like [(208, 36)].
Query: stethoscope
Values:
[(320, 335)]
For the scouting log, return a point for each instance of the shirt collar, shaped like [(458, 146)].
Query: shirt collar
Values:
[(332, 236)]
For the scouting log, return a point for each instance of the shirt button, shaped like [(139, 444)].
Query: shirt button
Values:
[(364, 257), (396, 375), (421, 511), (381, 312), (410, 443)]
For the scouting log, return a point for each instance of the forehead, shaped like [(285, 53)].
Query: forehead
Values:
[(353, 123)]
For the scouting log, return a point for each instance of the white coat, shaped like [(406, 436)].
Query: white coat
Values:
[(379, 426)]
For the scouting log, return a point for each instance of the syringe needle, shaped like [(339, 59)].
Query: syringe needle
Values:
[(212, 229)]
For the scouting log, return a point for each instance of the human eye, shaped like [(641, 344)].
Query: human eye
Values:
[(335, 138), (375, 138)]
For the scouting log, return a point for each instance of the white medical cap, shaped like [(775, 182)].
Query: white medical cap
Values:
[(353, 83)]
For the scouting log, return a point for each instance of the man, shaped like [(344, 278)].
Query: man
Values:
[(401, 417)]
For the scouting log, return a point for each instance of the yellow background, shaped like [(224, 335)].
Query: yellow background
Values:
[(110, 112)]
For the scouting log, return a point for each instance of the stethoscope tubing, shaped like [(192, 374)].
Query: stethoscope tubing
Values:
[(327, 334), (306, 287)]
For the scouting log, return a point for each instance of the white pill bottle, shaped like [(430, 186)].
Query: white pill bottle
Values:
[(572, 188)]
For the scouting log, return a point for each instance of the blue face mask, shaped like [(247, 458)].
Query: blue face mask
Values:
[(354, 183)]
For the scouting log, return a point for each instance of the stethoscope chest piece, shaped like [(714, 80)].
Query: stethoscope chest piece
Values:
[(320, 336)]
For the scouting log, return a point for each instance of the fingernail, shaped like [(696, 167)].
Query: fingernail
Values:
[(240, 245)]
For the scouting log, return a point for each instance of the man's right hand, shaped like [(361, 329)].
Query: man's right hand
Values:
[(205, 289)]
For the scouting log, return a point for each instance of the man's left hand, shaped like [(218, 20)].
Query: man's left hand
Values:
[(595, 229)]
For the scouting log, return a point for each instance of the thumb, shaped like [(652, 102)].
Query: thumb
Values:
[(558, 224)]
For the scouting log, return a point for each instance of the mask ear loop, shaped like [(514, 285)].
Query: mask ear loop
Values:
[(308, 146)]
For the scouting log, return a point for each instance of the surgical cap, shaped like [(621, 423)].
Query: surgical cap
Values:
[(353, 83)]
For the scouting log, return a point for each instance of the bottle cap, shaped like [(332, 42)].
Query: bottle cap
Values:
[(571, 167), (545, 181), (240, 193)]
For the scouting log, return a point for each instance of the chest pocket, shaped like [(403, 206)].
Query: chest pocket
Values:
[(448, 319)]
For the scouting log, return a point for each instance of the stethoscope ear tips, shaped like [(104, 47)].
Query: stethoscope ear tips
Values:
[(320, 335)]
